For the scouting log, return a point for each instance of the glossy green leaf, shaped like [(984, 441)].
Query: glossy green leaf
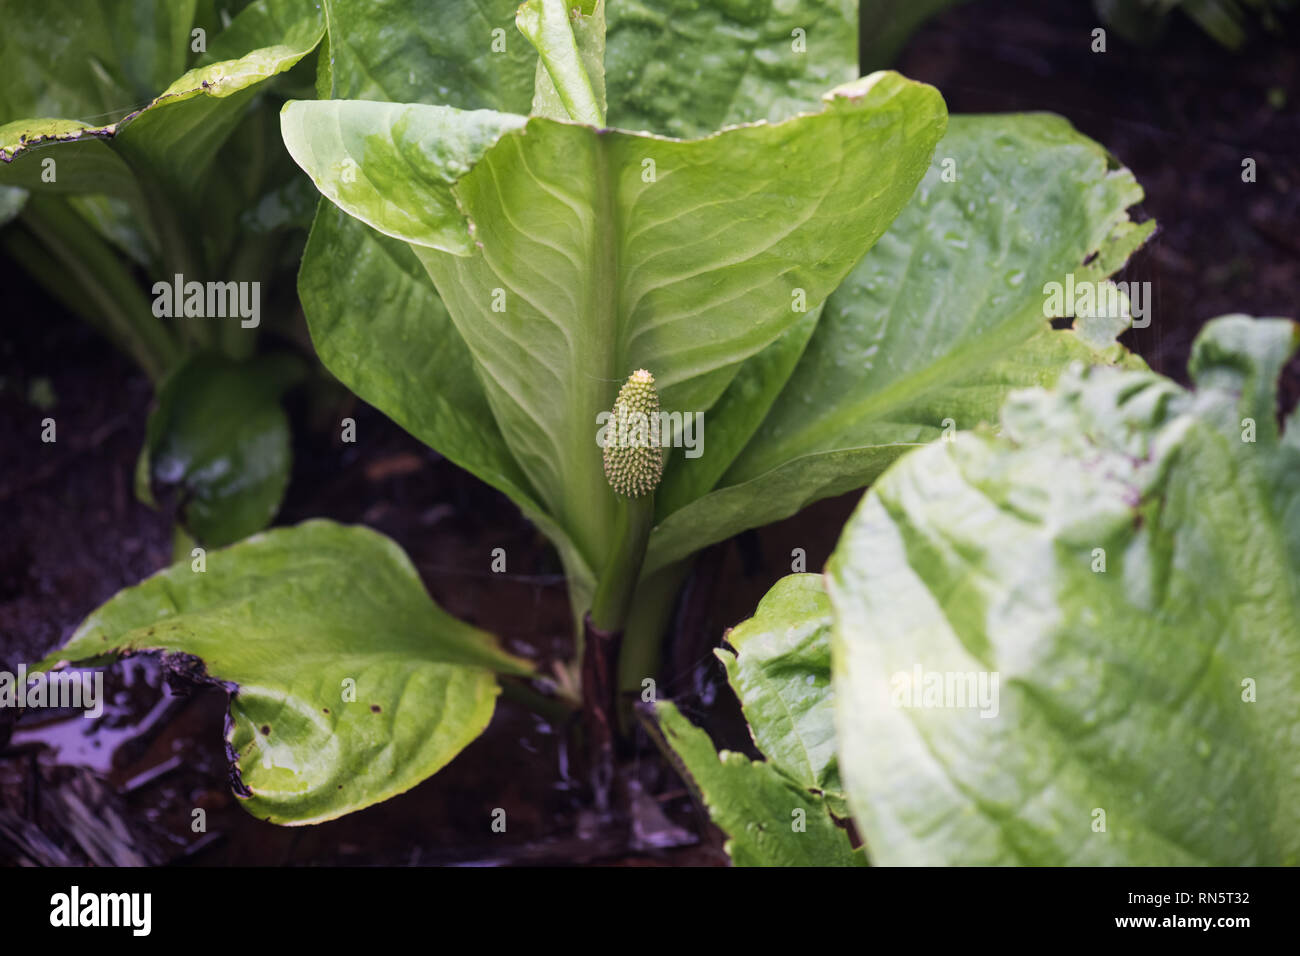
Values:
[(431, 390), (176, 137), (779, 664), (375, 319), (440, 52), (734, 418), (218, 436), (90, 60), (348, 684), (955, 285), (170, 141), (1119, 573), (606, 269), (393, 165), (270, 25), (930, 331), (689, 67), (769, 819)]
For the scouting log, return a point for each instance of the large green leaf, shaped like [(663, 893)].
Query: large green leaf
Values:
[(375, 320), (734, 418), (779, 665), (170, 141), (934, 326), (689, 67), (605, 269), (218, 436), (443, 52), (374, 317), (90, 59), (769, 819), (425, 380), (436, 57), (1121, 569), (394, 166), (292, 619), (176, 137)]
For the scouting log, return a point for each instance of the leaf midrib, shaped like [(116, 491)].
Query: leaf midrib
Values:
[(599, 356)]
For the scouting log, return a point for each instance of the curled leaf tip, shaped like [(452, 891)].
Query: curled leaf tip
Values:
[(634, 459)]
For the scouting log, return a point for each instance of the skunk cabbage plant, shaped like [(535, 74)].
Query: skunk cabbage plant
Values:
[(511, 226)]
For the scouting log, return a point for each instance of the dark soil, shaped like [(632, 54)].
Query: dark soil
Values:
[(1182, 116)]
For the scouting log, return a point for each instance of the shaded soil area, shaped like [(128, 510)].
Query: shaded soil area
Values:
[(124, 789)]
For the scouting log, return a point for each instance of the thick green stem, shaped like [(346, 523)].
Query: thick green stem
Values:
[(122, 310), (603, 636), (644, 633), (613, 599)]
